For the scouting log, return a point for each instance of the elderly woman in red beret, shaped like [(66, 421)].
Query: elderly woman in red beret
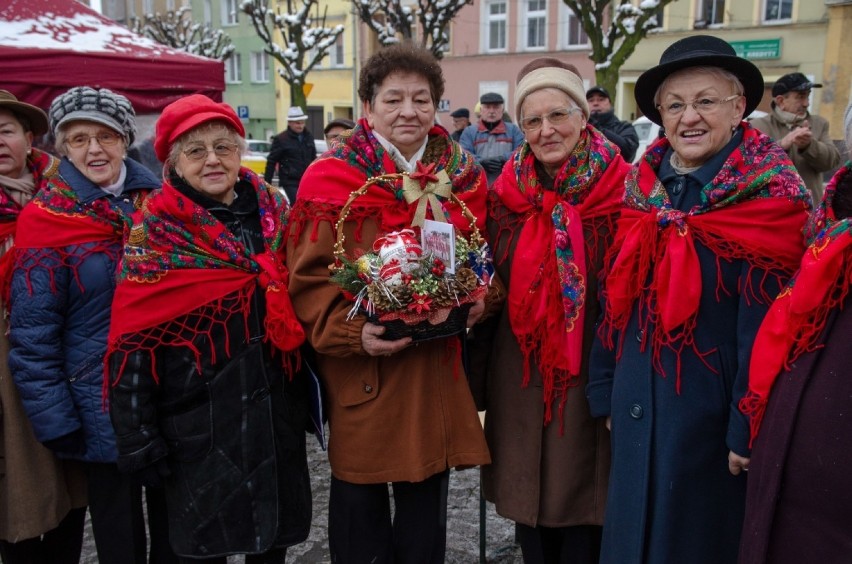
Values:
[(201, 390)]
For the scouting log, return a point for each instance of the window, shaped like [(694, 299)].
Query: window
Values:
[(657, 19), (259, 67), (230, 9), (147, 7), (495, 19), (208, 12), (170, 5), (710, 12), (232, 69), (536, 12), (777, 10), (336, 53), (573, 30)]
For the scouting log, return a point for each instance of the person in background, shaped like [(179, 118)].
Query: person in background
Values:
[(709, 233), (551, 219), (67, 249), (200, 394), (461, 119), (492, 140), (803, 135), (42, 497), (291, 152), (799, 504), (335, 127), (603, 117), (398, 414)]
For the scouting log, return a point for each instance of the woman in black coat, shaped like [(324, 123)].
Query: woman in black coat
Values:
[(202, 395)]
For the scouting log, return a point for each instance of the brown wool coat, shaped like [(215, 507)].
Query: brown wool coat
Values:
[(399, 418), (538, 475)]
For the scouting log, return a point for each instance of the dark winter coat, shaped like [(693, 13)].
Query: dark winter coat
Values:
[(619, 132), (231, 434), (291, 156), (59, 324), (671, 495), (799, 504)]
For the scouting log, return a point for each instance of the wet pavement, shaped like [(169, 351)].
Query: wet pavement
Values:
[(463, 522)]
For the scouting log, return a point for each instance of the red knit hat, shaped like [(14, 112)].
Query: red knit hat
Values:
[(188, 113)]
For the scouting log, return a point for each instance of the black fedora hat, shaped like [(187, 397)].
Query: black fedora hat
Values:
[(698, 51)]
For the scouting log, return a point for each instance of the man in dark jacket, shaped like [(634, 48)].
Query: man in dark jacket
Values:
[(292, 151), (603, 117), (461, 119)]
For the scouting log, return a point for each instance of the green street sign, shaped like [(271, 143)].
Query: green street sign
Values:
[(760, 49)]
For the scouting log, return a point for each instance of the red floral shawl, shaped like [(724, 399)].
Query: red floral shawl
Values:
[(796, 320), (548, 289), (176, 247), (43, 167), (357, 157), (756, 181)]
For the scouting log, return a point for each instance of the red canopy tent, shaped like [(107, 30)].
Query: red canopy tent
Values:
[(49, 46)]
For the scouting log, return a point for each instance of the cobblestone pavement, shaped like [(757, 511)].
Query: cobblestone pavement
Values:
[(463, 523)]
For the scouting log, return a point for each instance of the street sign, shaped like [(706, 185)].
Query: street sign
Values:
[(243, 112), (758, 49)]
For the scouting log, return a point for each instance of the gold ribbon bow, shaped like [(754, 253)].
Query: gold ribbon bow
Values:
[(424, 186)]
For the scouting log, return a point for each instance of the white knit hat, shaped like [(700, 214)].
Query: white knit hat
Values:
[(551, 77), (101, 106)]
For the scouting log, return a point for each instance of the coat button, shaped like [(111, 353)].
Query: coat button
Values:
[(368, 389), (636, 411), (678, 187), (640, 335), (260, 394)]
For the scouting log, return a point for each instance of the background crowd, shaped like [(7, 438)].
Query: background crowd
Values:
[(659, 353)]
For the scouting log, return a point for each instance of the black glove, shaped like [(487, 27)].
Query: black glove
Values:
[(493, 164), (71, 445), (151, 476)]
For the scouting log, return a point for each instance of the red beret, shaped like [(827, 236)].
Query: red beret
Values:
[(188, 113)]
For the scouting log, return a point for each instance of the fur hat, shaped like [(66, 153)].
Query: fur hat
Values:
[(35, 117), (551, 77), (697, 51), (296, 114), (188, 113), (100, 106)]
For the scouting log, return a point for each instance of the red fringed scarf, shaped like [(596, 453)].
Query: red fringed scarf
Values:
[(548, 290), (43, 167), (358, 156), (55, 219), (753, 210), (176, 247), (796, 320)]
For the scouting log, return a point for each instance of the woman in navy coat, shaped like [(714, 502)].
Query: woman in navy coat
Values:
[(691, 277)]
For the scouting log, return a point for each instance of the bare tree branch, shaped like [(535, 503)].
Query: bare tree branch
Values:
[(176, 29)]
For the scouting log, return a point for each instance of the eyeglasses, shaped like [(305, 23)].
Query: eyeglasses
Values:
[(555, 117), (703, 106), (104, 139), (221, 149)]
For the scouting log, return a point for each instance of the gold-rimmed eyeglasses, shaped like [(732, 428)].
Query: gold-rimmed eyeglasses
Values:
[(221, 149), (555, 117), (704, 106), (104, 139)]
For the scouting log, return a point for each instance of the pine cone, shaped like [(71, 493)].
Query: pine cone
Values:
[(444, 297), (466, 279)]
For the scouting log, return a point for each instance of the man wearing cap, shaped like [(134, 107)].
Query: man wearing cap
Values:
[(493, 139), (335, 127), (803, 135), (461, 119), (602, 116), (292, 151)]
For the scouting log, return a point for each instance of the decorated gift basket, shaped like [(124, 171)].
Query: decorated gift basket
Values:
[(421, 281)]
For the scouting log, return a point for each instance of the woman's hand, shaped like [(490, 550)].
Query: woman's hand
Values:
[(374, 345), (475, 312), (737, 463)]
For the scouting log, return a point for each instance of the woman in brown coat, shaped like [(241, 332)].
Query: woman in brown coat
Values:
[(398, 413), (551, 218)]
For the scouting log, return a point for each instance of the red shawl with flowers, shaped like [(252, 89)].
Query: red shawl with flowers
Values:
[(176, 247), (753, 210), (42, 166), (548, 290), (356, 157), (797, 318)]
